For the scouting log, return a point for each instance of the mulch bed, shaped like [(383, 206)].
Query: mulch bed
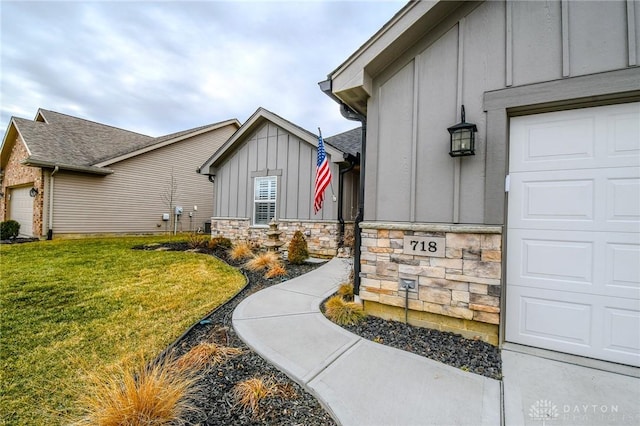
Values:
[(216, 403)]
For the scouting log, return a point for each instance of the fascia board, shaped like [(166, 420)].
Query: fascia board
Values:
[(256, 119), (69, 167)]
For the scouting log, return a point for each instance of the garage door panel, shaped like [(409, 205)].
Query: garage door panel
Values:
[(623, 268), (587, 138), (623, 201), (552, 320), (622, 333), (606, 199), (601, 327), (567, 260), (573, 232)]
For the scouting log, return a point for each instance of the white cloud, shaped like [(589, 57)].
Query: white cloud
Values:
[(161, 67)]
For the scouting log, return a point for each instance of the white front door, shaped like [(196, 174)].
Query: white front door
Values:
[(573, 232), (21, 209)]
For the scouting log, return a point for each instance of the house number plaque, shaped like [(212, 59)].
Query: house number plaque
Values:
[(424, 246)]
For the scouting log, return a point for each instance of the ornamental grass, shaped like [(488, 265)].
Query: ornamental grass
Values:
[(342, 312), (141, 395), (262, 261)]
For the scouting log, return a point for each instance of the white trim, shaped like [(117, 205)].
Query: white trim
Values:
[(273, 201)]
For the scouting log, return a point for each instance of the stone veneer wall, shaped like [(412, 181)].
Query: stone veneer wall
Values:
[(322, 239), (16, 175), (458, 292)]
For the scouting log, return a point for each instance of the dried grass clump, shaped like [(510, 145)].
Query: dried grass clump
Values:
[(205, 355), (262, 261), (249, 393), (156, 394), (219, 242), (241, 251), (345, 290), (196, 241), (342, 312), (276, 270)]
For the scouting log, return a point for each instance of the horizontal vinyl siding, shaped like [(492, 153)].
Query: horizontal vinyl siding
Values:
[(272, 148), (131, 200)]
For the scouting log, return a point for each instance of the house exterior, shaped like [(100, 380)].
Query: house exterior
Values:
[(66, 176), (534, 241), (266, 171)]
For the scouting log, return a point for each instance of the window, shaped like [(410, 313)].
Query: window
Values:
[(264, 200)]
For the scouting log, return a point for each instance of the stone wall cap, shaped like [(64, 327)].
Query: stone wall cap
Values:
[(434, 227)]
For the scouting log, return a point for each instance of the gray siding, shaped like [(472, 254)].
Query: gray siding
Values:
[(131, 200), (477, 49), (269, 151)]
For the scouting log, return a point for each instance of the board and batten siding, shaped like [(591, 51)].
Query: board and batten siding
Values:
[(479, 47), (272, 151), (132, 199)]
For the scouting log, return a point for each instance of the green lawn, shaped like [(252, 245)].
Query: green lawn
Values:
[(68, 307)]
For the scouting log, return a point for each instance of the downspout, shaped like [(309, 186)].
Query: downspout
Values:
[(349, 114), (343, 171), (50, 230), (360, 216)]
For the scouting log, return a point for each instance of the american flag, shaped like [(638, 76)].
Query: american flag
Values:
[(323, 175)]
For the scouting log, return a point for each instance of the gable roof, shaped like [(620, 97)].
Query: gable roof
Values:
[(257, 119), (54, 139)]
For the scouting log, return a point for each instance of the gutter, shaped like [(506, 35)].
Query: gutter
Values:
[(50, 230), (343, 171), (72, 168), (350, 114)]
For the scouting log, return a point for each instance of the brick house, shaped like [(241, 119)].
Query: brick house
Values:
[(66, 176)]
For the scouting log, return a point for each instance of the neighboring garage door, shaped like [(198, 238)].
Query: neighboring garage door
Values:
[(21, 209), (573, 232)]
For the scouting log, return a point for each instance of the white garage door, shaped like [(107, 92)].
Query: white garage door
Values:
[(21, 209), (573, 233)]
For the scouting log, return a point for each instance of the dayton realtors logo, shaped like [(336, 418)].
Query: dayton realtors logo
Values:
[(543, 410), (546, 411)]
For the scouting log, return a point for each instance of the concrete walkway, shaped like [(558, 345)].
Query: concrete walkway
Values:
[(364, 383), (359, 382)]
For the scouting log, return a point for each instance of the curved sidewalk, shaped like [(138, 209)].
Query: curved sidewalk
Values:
[(358, 381)]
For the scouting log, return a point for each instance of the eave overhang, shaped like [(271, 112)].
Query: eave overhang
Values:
[(33, 162), (352, 81)]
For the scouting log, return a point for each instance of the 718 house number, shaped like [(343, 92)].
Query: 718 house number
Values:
[(424, 246)]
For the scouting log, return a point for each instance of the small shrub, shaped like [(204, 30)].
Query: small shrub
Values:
[(298, 250), (205, 355), (216, 242), (275, 270), (196, 241), (241, 251), (157, 394), (346, 291), (262, 261), (9, 230), (250, 392), (342, 312)]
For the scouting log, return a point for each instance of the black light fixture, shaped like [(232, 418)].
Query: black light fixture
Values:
[(33, 192), (462, 141)]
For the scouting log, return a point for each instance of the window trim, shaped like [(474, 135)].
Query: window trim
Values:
[(274, 201)]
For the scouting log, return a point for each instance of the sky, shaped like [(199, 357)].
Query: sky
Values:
[(159, 67)]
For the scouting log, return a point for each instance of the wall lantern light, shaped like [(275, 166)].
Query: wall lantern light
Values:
[(462, 138), (33, 192)]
